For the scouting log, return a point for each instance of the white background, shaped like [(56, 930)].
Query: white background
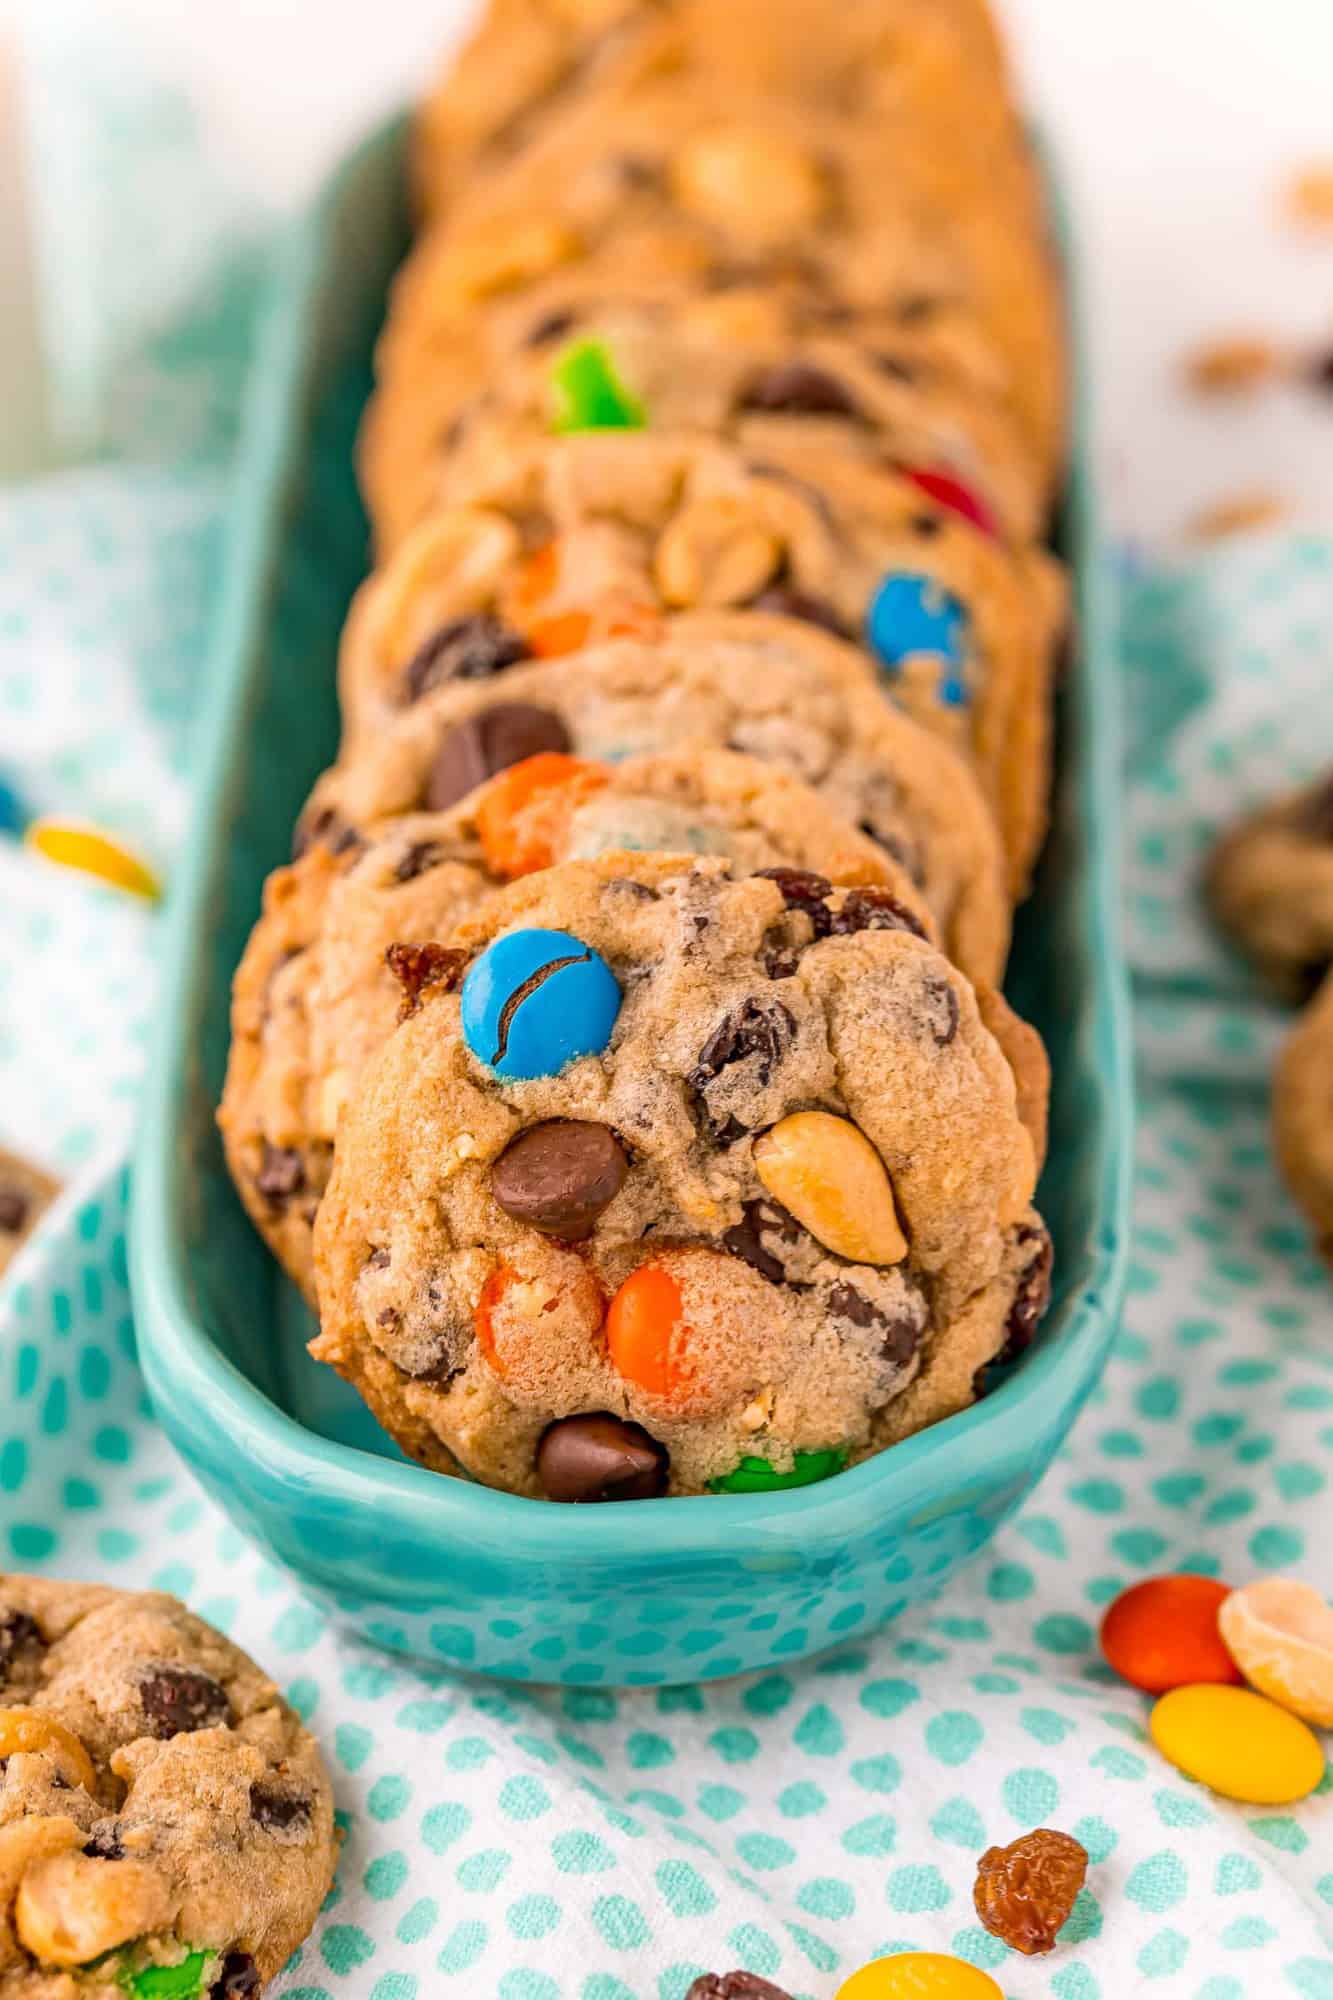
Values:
[(1177, 121)]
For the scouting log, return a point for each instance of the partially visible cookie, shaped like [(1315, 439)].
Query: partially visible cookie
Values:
[(680, 1179), (1270, 884), (320, 989), (1303, 1114), (160, 1804), (26, 1192), (776, 688)]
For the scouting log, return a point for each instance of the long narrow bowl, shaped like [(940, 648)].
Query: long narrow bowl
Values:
[(663, 1590)]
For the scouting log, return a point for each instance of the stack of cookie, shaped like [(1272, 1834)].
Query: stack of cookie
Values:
[(620, 1066)]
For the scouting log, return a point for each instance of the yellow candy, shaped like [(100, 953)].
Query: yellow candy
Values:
[(1237, 1743), (1280, 1634), (827, 1174), (92, 853), (919, 1975)]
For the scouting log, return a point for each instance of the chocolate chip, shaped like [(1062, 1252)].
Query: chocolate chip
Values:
[(238, 1978), (276, 1811), (745, 1239), (13, 1210), (625, 885), (326, 828), (805, 891), (104, 1843), (1032, 1296), (489, 742), (17, 1630), (551, 326), (560, 1176), (466, 649), (875, 909), (420, 858), (281, 1175), (418, 967), (795, 388), (176, 1700), (600, 1457), (942, 1010), (378, 1260), (926, 526), (752, 1029), (734, 1986), (782, 601), (898, 1333)]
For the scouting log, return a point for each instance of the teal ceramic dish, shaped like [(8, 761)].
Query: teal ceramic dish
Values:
[(662, 1590)]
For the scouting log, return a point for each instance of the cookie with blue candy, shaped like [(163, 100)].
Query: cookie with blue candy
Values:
[(772, 684), (655, 1192), (322, 982)]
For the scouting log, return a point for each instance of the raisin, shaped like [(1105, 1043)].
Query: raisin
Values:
[(942, 1011), (177, 1700), (745, 1239), (277, 1811), (422, 856), (898, 1333), (326, 829), (873, 909), (378, 1260), (753, 1029), (281, 1175), (783, 601), (418, 967), (16, 1631), (238, 1978), (926, 526), (1031, 1298), (466, 649), (734, 1986), (794, 388), (104, 1843), (802, 890), (1025, 1892), (13, 1210)]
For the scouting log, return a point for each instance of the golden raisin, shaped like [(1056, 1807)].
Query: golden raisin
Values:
[(1025, 1892)]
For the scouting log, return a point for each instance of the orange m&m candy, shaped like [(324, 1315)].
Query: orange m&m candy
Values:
[(1163, 1634), (567, 631), (919, 1975), (519, 811), (532, 1329), (646, 1334)]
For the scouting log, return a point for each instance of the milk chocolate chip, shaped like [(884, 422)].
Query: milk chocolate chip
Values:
[(476, 749), (559, 1177), (600, 1457)]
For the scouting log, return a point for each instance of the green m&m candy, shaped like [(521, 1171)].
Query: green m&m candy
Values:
[(756, 1475), (170, 1982), (590, 396)]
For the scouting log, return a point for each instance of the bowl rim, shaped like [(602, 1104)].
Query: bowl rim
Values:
[(183, 1366)]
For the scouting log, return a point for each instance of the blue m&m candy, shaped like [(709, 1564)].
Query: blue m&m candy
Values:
[(913, 615), (13, 816), (536, 1001)]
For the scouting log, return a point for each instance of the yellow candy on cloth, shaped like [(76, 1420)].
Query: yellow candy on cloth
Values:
[(919, 1975), (83, 848), (1280, 1634), (1237, 1743)]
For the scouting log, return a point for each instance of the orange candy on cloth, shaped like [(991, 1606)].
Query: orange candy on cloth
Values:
[(1163, 1634)]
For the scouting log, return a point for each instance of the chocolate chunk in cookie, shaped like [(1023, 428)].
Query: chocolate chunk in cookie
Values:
[(600, 1457), (559, 1177)]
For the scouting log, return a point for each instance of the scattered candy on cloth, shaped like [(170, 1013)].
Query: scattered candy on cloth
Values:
[(590, 1845)]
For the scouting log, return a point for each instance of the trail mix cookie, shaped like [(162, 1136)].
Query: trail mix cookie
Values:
[(431, 374), (527, 58), (166, 1825), (738, 364), (677, 1179), (588, 536), (1270, 883), (775, 688), (1303, 1115), (321, 984), (25, 1195)]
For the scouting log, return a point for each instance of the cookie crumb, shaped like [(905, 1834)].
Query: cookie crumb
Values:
[(1236, 365), (1244, 513)]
